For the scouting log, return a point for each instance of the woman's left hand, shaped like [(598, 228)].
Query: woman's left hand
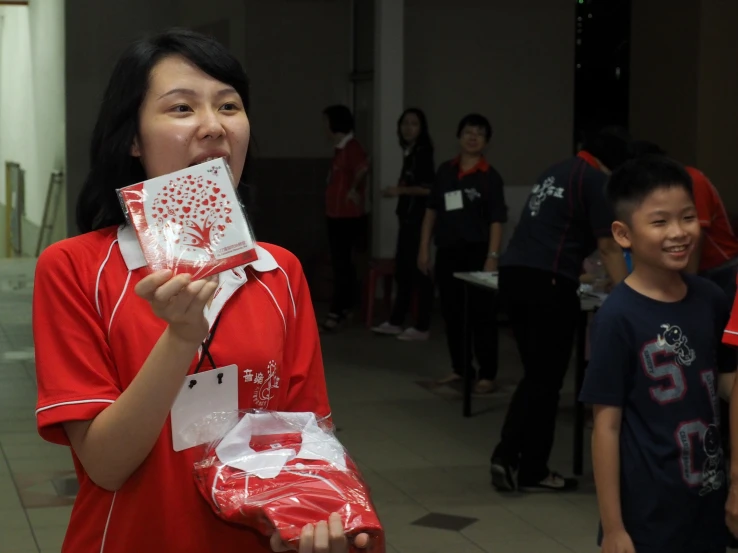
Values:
[(324, 537)]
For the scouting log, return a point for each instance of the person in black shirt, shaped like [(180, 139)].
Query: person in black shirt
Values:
[(416, 179), (565, 219), (466, 211), (656, 369)]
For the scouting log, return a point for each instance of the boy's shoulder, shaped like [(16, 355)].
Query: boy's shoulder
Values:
[(704, 288)]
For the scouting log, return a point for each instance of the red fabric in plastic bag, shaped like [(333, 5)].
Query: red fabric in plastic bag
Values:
[(304, 492)]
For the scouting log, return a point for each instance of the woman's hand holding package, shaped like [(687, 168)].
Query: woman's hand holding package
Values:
[(324, 537)]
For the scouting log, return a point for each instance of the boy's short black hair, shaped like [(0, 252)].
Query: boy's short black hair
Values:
[(340, 119), (475, 120), (611, 145), (641, 148), (637, 178)]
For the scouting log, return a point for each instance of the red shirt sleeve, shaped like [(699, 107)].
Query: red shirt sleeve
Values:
[(703, 199), (356, 157), (74, 365), (730, 335), (307, 391)]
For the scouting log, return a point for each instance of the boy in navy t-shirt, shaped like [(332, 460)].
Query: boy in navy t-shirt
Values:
[(656, 368)]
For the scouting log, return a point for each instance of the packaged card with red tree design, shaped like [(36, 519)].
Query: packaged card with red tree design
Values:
[(190, 221)]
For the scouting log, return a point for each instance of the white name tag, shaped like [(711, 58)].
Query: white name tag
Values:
[(454, 200), (201, 395)]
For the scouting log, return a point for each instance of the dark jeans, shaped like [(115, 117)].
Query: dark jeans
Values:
[(543, 311), (344, 236), (482, 310), (410, 280)]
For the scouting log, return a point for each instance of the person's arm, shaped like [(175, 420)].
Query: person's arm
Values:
[(359, 161), (413, 191), (497, 217), (606, 464), (613, 259), (605, 386), (115, 443), (426, 232), (495, 240)]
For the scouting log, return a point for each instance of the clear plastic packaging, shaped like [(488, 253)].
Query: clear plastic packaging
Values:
[(275, 471), (190, 221)]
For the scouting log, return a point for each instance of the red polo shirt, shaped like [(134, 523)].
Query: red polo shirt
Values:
[(730, 335), (719, 244), (92, 335), (348, 160)]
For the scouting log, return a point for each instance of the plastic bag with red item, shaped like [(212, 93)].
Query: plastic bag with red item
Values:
[(190, 221), (275, 471)]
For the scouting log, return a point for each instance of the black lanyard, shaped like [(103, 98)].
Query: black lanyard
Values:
[(206, 348)]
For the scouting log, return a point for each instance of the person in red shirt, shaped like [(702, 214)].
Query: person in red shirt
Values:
[(716, 255), (116, 344), (345, 207)]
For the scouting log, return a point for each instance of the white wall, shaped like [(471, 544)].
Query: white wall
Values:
[(298, 59), (32, 98), (46, 18), (18, 102)]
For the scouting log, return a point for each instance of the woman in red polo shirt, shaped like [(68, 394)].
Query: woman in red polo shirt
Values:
[(114, 344), (345, 210)]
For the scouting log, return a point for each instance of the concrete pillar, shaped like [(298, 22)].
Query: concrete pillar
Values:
[(388, 105)]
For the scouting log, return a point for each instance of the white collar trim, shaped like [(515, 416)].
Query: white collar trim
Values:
[(345, 140), (134, 258)]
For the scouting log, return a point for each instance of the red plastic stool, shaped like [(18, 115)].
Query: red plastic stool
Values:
[(378, 269)]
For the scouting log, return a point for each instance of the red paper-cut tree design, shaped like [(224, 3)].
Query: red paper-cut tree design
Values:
[(195, 211)]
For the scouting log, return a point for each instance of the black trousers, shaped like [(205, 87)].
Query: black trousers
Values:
[(483, 339), (410, 280), (344, 236), (543, 311)]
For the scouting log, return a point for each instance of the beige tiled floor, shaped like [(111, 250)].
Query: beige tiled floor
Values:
[(417, 452)]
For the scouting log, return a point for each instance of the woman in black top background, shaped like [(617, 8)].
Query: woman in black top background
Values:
[(412, 190)]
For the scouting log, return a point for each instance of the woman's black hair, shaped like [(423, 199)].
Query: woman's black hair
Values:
[(340, 119), (424, 139), (111, 164)]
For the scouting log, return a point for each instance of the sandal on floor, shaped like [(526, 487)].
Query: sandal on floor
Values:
[(450, 379), (485, 387), (331, 322)]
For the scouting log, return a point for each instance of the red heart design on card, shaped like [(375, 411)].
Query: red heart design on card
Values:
[(213, 198), (204, 202), (189, 176), (227, 210), (228, 220), (222, 195), (161, 209), (186, 209), (165, 215), (164, 201), (216, 190), (217, 210), (179, 202), (202, 212), (221, 228)]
